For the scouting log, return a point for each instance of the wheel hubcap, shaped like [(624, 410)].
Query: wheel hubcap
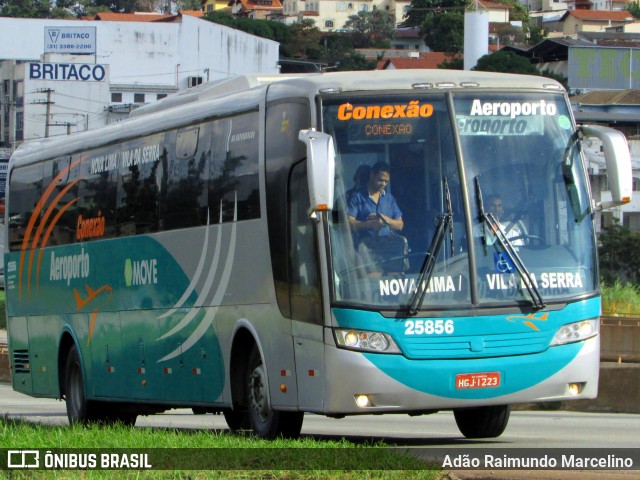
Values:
[(258, 393)]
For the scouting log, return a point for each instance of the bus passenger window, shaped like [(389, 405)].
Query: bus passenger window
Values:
[(184, 199), (60, 209), (25, 191), (138, 185), (233, 184), (96, 199)]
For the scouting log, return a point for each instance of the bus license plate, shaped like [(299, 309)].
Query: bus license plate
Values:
[(477, 380)]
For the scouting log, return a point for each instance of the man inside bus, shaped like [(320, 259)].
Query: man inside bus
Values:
[(373, 213), (513, 229)]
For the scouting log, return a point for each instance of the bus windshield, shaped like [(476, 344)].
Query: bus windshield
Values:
[(477, 199)]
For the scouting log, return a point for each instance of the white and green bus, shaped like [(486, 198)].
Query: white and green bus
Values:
[(201, 254)]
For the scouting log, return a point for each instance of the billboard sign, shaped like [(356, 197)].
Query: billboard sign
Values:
[(77, 40)]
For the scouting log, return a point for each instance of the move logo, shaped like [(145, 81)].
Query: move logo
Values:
[(140, 272)]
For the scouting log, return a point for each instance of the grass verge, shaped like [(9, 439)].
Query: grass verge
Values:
[(200, 454), (620, 300)]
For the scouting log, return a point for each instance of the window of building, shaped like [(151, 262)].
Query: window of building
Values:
[(363, 7), (328, 23), (19, 126), (161, 96), (209, 8), (138, 97), (116, 97), (341, 7)]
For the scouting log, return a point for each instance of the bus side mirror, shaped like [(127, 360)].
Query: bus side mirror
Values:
[(321, 166), (618, 161)]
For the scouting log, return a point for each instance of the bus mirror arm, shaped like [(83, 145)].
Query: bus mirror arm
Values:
[(618, 162), (320, 168)]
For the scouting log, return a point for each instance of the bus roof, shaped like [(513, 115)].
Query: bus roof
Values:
[(252, 88)]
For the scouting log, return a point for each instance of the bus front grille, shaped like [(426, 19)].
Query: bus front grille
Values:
[(476, 346)]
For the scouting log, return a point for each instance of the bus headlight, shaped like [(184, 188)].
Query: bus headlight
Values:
[(365, 341), (576, 332)]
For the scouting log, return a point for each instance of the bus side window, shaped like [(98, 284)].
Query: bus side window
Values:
[(25, 192), (96, 199), (184, 196), (233, 174), (138, 188), (61, 217)]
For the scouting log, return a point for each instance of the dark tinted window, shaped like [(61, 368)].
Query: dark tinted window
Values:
[(234, 169), (97, 196), (26, 189), (138, 185), (282, 150), (184, 190), (60, 194), (304, 286)]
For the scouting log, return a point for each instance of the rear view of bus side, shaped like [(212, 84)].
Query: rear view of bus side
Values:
[(202, 254)]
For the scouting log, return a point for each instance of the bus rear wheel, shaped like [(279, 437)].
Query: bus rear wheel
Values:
[(79, 409), (482, 422), (266, 422)]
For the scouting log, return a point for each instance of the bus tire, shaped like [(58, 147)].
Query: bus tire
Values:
[(482, 422), (237, 420), (79, 410), (266, 422)]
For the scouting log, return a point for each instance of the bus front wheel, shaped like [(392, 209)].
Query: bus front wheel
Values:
[(266, 422), (237, 420), (482, 422)]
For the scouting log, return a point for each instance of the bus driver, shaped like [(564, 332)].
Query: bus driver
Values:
[(371, 210)]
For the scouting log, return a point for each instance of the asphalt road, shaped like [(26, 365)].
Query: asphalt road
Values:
[(527, 429)]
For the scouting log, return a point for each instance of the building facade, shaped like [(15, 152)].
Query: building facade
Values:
[(331, 15), (62, 76)]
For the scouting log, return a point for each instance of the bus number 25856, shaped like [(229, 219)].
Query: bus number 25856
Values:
[(428, 327)]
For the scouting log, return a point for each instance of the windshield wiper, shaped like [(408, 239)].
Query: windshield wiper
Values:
[(487, 218), (445, 224)]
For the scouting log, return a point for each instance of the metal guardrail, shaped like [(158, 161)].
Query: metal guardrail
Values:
[(620, 338)]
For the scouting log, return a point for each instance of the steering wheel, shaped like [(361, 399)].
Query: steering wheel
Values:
[(538, 242)]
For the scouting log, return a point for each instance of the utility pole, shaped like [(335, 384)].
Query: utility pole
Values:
[(64, 124), (48, 104)]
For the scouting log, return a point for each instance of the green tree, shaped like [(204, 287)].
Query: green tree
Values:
[(422, 10), (453, 62), (634, 9), (223, 18), (25, 8), (353, 60), (536, 35), (619, 255), (303, 41), (444, 32), (504, 61), (511, 62), (371, 29), (118, 6)]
